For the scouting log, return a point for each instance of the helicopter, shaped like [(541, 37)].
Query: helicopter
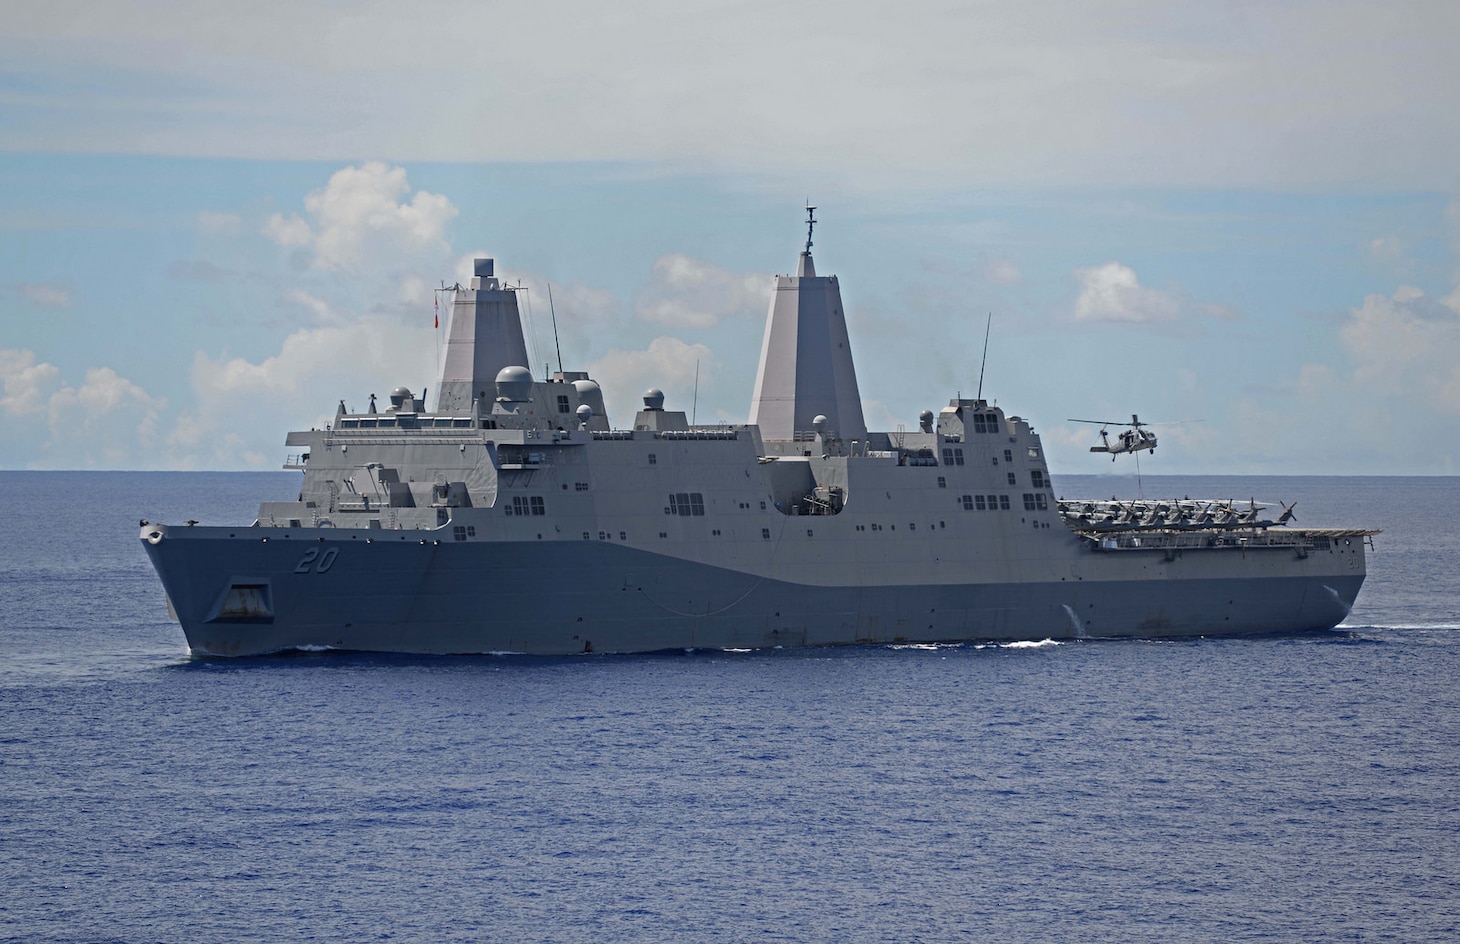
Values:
[(1132, 440)]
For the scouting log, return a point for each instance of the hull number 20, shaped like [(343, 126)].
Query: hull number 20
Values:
[(315, 562)]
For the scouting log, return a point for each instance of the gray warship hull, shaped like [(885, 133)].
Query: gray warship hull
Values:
[(514, 518), (413, 592)]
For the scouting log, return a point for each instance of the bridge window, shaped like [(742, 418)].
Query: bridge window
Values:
[(967, 502)]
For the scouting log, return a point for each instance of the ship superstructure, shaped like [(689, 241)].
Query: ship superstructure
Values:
[(515, 517)]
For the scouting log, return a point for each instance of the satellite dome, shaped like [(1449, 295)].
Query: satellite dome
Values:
[(585, 413), (653, 399), (401, 399), (925, 420), (514, 384), (590, 393)]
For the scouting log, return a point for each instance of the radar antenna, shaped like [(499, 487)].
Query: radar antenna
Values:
[(810, 223)]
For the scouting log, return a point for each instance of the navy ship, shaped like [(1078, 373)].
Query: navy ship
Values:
[(514, 517)]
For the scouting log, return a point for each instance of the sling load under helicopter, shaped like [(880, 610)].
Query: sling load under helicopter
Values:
[(1135, 438)]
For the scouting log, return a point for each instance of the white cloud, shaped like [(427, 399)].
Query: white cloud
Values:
[(667, 363), (1002, 272), (363, 208), (1111, 292), (1386, 249), (691, 293), (27, 384), (210, 222), (1140, 93), (47, 295), (1406, 345), (243, 408), (106, 421)]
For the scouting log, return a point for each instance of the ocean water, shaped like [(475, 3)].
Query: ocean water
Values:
[(1296, 788)]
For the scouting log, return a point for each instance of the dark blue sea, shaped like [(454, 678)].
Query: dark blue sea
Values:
[(1297, 788)]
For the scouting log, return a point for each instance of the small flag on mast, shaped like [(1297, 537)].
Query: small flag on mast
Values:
[(437, 304)]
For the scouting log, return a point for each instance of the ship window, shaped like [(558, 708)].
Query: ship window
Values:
[(912, 527), (942, 482), (587, 536), (967, 501), (947, 456), (978, 502), (562, 403), (765, 533), (1033, 453), (715, 533), (1008, 455), (809, 532), (686, 504), (580, 486), (664, 534), (1013, 480), (1041, 502), (762, 506), (623, 535), (538, 506), (1003, 502), (653, 459), (1028, 501), (1036, 477)]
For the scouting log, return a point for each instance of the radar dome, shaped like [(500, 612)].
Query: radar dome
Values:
[(653, 399), (514, 384), (590, 393), (925, 420)]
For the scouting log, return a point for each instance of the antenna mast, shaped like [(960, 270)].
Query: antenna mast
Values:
[(985, 354), (810, 223), (554, 313)]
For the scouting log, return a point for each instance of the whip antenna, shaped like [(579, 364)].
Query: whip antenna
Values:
[(985, 354), (554, 313)]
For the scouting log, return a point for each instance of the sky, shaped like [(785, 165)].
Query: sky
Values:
[(1241, 220)]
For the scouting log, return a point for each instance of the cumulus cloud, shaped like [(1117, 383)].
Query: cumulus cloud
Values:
[(1407, 344), (667, 363), (691, 293), (361, 208), (1111, 292), (242, 408), (27, 384), (105, 420)]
